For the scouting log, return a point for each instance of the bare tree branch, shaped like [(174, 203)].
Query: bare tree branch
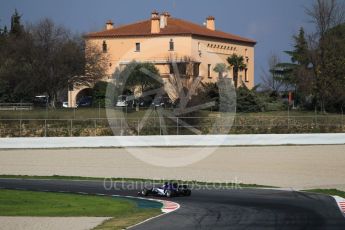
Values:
[(326, 14), (269, 78)]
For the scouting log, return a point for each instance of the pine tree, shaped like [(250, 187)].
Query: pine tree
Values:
[(5, 31), (298, 74), (300, 54), (16, 27)]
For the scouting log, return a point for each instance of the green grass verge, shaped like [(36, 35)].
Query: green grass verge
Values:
[(332, 192), (200, 183), (124, 212), (32, 203)]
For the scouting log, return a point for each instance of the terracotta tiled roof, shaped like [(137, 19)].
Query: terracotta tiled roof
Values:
[(175, 27)]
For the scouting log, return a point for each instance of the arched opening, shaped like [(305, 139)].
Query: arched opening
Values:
[(84, 98)]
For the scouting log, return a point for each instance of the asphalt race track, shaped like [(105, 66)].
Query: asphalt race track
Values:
[(219, 209)]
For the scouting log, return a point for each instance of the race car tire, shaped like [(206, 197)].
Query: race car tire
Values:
[(168, 193), (144, 192)]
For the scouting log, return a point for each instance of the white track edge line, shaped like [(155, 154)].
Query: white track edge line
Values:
[(147, 220), (151, 218)]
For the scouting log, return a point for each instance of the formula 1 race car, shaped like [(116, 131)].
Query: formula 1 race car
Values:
[(167, 190)]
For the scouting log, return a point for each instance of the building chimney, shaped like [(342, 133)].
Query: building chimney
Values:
[(109, 25), (154, 14), (155, 28), (167, 14), (164, 19), (210, 23)]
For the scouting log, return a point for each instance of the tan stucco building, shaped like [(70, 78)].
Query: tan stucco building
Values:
[(162, 39)]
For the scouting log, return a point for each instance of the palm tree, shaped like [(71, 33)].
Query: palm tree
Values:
[(237, 63), (220, 68)]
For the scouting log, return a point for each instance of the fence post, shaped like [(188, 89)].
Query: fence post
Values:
[(289, 116), (95, 127), (342, 118), (99, 109), (121, 122), (177, 126), (160, 126), (45, 127), (71, 128), (20, 127), (20, 123), (138, 128), (315, 117)]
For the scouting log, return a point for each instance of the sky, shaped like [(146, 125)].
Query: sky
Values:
[(272, 23)]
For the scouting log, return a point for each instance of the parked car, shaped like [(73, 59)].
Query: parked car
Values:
[(145, 101), (157, 102), (122, 101), (85, 101), (41, 101)]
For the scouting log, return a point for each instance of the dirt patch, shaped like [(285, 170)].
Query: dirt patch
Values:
[(51, 223)]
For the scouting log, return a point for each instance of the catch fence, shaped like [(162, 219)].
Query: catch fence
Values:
[(171, 126)]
